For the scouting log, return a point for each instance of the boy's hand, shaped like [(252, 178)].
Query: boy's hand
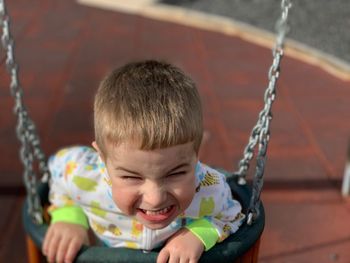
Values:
[(63, 241), (183, 246)]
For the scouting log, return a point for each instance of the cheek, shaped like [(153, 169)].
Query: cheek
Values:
[(186, 199), (185, 194), (124, 199)]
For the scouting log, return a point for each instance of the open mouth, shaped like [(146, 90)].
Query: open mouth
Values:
[(157, 216)]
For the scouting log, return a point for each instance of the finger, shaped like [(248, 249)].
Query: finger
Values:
[(52, 247), (184, 260), (62, 250), (46, 242), (163, 256), (174, 258), (72, 251)]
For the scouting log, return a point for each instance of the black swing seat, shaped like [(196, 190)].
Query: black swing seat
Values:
[(231, 250)]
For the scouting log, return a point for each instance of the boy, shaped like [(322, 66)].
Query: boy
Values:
[(142, 186)]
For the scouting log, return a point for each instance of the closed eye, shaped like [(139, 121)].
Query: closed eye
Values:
[(128, 177), (176, 174)]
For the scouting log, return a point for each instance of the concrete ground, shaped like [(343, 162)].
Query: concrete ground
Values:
[(64, 48)]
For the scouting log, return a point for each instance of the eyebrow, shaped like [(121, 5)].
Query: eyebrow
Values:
[(182, 165), (126, 170), (178, 167)]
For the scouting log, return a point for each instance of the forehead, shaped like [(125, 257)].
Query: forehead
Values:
[(129, 154)]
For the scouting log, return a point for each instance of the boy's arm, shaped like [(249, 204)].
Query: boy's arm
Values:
[(63, 241), (63, 208), (69, 214), (68, 228), (188, 243), (205, 231), (219, 214), (183, 246)]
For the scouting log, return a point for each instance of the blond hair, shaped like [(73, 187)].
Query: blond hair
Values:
[(150, 102)]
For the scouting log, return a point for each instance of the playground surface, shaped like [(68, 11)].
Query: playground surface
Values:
[(64, 48)]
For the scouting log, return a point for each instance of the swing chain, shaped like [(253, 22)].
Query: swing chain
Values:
[(266, 114), (261, 131), (25, 130), (269, 96)]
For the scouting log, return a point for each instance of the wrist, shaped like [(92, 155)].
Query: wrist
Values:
[(205, 231), (69, 214)]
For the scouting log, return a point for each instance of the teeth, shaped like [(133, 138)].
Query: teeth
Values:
[(156, 212)]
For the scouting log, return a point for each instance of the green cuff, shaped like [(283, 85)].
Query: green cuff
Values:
[(205, 231), (69, 214)]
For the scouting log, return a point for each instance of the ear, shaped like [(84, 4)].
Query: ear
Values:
[(95, 146), (203, 146)]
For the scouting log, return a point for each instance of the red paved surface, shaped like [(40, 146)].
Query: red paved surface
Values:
[(64, 50)]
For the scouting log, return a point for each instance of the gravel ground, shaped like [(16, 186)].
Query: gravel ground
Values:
[(321, 24)]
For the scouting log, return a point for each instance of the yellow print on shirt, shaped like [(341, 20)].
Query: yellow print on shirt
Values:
[(136, 229), (210, 179), (130, 244), (95, 209), (67, 201), (114, 230), (98, 228), (107, 181), (227, 228), (70, 167), (219, 216), (85, 184), (102, 169), (89, 167), (226, 232), (207, 206), (239, 217), (62, 152)]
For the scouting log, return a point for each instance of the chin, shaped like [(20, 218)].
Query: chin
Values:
[(156, 226)]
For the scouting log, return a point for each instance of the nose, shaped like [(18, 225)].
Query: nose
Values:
[(154, 195)]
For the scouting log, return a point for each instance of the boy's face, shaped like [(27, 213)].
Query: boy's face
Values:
[(154, 186)]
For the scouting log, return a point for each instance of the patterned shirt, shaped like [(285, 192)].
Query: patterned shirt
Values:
[(79, 179)]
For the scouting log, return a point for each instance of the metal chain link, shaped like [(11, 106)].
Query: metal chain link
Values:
[(25, 130), (261, 131)]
